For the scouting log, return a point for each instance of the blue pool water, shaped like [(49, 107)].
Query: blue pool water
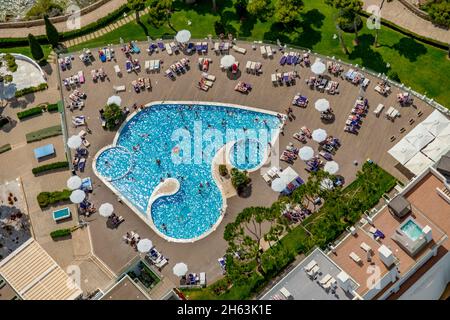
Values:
[(153, 146), (412, 230)]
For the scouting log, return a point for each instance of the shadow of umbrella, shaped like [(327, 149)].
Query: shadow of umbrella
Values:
[(234, 76), (110, 224)]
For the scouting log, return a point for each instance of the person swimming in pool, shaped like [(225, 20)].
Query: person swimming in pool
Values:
[(158, 162), (136, 148), (164, 227)]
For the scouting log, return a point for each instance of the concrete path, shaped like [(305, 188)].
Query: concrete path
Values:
[(62, 26), (397, 13)]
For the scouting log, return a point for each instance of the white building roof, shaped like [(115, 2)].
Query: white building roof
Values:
[(418, 163)]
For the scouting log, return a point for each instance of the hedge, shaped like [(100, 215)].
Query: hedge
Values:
[(60, 233), (47, 198), (44, 133), (100, 23), (406, 32), (51, 166), (52, 107), (41, 87), (5, 148), (30, 112)]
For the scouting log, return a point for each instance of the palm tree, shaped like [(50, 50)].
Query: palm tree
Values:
[(377, 30)]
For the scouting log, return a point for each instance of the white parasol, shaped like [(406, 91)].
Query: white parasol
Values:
[(114, 100), (322, 105), (227, 61), (306, 153), (77, 196), (319, 135), (106, 209), (278, 185), (180, 269), (74, 142), (331, 167), (74, 182), (183, 36), (144, 245), (318, 67)]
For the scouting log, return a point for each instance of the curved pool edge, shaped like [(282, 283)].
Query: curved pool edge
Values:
[(148, 220)]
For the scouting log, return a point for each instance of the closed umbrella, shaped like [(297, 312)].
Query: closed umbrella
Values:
[(183, 36), (318, 67), (77, 196), (74, 182), (114, 100), (227, 61), (306, 153), (180, 269), (74, 142), (106, 209), (319, 135), (331, 167), (278, 185), (144, 245), (322, 105)]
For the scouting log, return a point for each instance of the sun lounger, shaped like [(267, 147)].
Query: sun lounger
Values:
[(248, 66), (119, 88), (148, 84), (310, 265), (266, 178), (208, 76), (325, 279), (330, 283), (355, 257), (168, 49), (174, 47), (365, 83), (135, 48), (86, 143), (216, 47), (269, 51), (274, 79), (263, 51), (204, 47), (239, 49), (147, 65), (365, 247), (128, 66), (378, 109), (81, 76)]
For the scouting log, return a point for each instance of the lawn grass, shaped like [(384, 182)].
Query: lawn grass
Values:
[(420, 66), (26, 50), (44, 133)]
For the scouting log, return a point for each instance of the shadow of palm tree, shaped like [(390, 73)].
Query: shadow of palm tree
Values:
[(370, 58), (144, 27), (409, 48)]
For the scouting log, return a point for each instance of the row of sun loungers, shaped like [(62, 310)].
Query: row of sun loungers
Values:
[(271, 174), (131, 47), (354, 76), (76, 100), (141, 84), (287, 78), (329, 147), (98, 74), (314, 164), (201, 47), (132, 65), (354, 120), (106, 54), (171, 48), (79, 159), (178, 68), (296, 214), (206, 81), (79, 121), (86, 56), (302, 134), (157, 258), (253, 67), (74, 80), (65, 63), (152, 65), (221, 47), (266, 51), (404, 99), (334, 68), (383, 88)]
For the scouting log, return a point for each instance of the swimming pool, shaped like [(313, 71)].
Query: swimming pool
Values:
[(247, 154), (179, 140), (412, 230)]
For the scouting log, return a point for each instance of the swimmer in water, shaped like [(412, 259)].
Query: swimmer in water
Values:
[(201, 185), (158, 162), (164, 227), (207, 183)]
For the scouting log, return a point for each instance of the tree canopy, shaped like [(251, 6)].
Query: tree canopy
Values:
[(52, 33), (160, 12), (35, 48), (287, 11)]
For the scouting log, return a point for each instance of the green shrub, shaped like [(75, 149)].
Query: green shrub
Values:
[(50, 167), (44, 133), (239, 179), (439, 11), (223, 171), (113, 116), (60, 233), (10, 62), (394, 76), (48, 198), (36, 50), (5, 148), (30, 112), (52, 107), (41, 87)]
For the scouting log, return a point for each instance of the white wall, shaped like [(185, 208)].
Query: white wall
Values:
[(432, 284)]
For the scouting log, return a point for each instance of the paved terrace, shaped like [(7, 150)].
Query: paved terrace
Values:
[(371, 142)]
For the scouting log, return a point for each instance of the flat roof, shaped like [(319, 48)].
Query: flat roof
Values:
[(302, 287), (125, 289), (34, 275)]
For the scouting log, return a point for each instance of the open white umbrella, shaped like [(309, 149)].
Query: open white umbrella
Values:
[(74, 182), (326, 184), (306, 153), (322, 105), (278, 185), (227, 61), (77, 196), (144, 245), (319, 135), (74, 142), (180, 269), (318, 67), (114, 100), (183, 36), (331, 167), (106, 209)]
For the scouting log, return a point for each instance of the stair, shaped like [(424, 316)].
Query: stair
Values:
[(102, 266)]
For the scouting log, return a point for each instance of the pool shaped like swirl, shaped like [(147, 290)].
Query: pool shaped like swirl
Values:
[(147, 151)]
